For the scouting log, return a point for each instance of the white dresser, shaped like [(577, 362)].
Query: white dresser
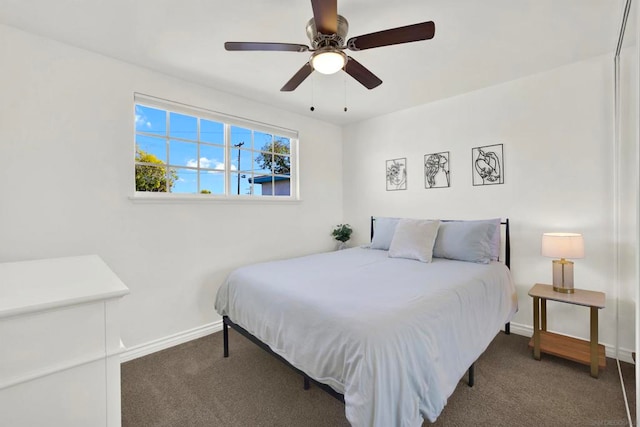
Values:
[(60, 343)]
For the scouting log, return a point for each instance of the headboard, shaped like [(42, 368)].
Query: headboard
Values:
[(507, 239)]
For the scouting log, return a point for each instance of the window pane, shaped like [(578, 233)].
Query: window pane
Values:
[(241, 160), (282, 145), (186, 181), (257, 189), (262, 163), (148, 145), (263, 141), (151, 178), (211, 132), (181, 126), (183, 153), (282, 186), (281, 164), (240, 184), (212, 157), (211, 182), (151, 120), (263, 185), (240, 137)]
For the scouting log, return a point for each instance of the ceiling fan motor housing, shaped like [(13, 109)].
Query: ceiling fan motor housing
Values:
[(319, 40)]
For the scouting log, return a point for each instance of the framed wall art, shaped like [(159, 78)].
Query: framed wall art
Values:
[(436, 170), (487, 165), (397, 174)]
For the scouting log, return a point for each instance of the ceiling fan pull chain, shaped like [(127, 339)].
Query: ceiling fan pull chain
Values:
[(345, 94), (313, 79)]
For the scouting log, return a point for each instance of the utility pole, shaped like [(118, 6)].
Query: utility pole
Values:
[(238, 145)]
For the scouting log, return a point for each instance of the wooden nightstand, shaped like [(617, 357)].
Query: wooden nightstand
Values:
[(585, 352)]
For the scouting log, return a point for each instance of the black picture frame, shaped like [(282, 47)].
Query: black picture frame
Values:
[(487, 165), (437, 172), (396, 174)]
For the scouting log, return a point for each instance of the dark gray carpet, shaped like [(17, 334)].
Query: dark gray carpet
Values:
[(193, 385)]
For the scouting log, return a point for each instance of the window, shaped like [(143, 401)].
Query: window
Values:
[(186, 151)]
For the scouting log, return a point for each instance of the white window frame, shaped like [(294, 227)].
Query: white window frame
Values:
[(228, 121)]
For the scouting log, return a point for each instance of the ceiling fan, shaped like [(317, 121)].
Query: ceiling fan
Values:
[(327, 32)]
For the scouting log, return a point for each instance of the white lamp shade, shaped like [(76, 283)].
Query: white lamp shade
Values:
[(328, 62), (563, 245)]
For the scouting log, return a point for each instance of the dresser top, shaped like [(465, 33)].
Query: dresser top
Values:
[(31, 286)]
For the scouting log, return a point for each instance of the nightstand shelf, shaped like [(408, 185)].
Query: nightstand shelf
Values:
[(569, 348), (587, 352)]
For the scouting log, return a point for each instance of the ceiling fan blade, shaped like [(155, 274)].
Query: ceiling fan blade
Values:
[(409, 33), (285, 47), (325, 15), (297, 78), (361, 74)]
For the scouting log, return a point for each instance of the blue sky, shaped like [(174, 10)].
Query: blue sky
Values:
[(183, 150)]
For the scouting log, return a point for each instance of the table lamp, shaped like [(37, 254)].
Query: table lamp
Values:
[(563, 245)]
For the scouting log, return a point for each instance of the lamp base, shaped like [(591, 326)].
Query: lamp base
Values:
[(564, 290), (563, 276)]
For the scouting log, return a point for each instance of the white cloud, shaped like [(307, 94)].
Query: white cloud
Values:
[(208, 164), (141, 119)]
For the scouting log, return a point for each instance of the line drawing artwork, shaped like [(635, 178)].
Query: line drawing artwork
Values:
[(488, 165), (397, 174), (436, 170)]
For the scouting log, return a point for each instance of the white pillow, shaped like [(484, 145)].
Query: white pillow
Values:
[(414, 239), (383, 230)]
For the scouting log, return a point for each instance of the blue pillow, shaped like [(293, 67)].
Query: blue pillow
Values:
[(383, 231), (472, 241), (495, 238)]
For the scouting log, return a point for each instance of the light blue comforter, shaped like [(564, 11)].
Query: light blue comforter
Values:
[(393, 335)]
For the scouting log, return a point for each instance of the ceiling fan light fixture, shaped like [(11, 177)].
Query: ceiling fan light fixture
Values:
[(328, 61)]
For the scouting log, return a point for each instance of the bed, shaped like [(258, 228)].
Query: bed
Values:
[(389, 335)]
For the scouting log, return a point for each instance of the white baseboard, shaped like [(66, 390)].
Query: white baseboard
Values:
[(170, 341), (624, 355), (131, 353)]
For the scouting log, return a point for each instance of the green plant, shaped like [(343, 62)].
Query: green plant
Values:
[(153, 176), (342, 232)]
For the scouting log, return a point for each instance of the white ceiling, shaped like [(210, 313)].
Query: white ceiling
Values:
[(477, 44)]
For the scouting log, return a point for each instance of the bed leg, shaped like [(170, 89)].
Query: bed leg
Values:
[(507, 328), (472, 374), (307, 385), (225, 336)]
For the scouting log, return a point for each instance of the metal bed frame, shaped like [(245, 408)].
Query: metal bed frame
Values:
[(226, 323)]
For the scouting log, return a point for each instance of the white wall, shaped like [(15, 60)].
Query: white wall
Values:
[(66, 172), (557, 131), (66, 152)]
